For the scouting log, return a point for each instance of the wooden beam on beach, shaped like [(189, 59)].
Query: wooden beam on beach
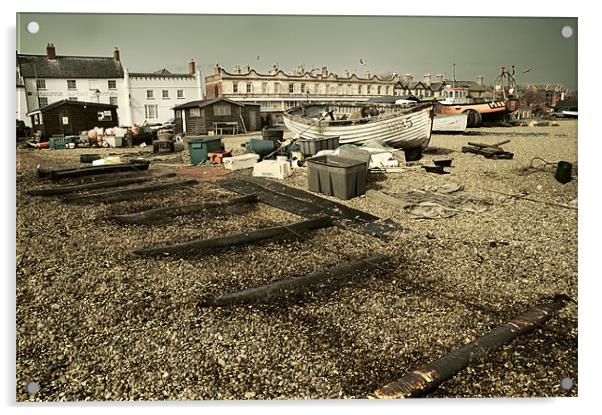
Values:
[(427, 378), (128, 194), (151, 215), (57, 174), (63, 190), (200, 245), (294, 286)]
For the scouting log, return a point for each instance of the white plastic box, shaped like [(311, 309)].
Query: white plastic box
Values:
[(244, 161), (272, 168), (113, 141)]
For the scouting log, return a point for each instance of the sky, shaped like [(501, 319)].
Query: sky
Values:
[(385, 44)]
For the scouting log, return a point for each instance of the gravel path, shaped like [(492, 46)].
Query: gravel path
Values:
[(95, 322)]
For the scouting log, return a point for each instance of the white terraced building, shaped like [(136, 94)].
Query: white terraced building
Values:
[(45, 79)]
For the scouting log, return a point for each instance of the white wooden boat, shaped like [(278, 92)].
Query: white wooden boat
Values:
[(450, 123), (398, 126)]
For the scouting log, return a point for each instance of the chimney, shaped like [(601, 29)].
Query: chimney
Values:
[(427, 79), (191, 66), (346, 73), (440, 78), (216, 69), (480, 80), (274, 69), (408, 78), (237, 69), (367, 74), (324, 71), (116, 54), (247, 68), (51, 51)]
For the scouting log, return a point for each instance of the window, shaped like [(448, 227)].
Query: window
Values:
[(150, 94), (71, 84), (150, 111), (303, 88), (180, 93), (195, 112), (369, 89), (359, 89), (113, 100), (264, 87), (179, 114), (43, 101), (276, 87), (112, 84), (249, 87), (40, 83), (221, 110), (74, 98), (379, 89), (165, 94), (291, 88), (105, 115), (235, 87), (327, 89), (387, 90)]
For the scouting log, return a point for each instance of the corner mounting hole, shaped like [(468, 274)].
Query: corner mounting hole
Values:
[(33, 27), (566, 32)]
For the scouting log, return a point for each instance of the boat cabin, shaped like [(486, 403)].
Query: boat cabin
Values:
[(455, 95)]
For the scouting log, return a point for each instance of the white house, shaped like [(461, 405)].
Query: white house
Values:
[(45, 79), (152, 96), (50, 78)]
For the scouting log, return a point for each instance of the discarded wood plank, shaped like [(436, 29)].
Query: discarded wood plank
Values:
[(385, 198), (172, 212), (126, 194), (62, 190), (530, 199), (488, 152), (293, 286), (483, 145), (200, 245), (88, 171), (427, 378)]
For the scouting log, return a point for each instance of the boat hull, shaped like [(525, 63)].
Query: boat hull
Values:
[(490, 111), (453, 123), (399, 130)]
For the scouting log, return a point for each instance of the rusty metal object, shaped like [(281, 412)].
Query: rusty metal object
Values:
[(427, 378)]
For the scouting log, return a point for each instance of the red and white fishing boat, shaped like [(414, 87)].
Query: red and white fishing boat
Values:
[(503, 102)]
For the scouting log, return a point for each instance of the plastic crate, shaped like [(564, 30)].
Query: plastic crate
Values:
[(56, 142), (310, 147), (336, 176), (200, 148)]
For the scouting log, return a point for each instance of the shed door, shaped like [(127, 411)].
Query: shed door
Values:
[(252, 120), (66, 122)]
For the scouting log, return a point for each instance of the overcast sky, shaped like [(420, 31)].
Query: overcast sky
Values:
[(416, 45)]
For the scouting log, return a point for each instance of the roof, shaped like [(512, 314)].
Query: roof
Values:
[(74, 103), (39, 66), (205, 102), (161, 73)]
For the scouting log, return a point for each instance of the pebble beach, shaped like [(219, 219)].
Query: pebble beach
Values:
[(96, 322)]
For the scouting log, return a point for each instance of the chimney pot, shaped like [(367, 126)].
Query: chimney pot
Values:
[(440, 78), (191, 67), (116, 54), (324, 71), (51, 51)]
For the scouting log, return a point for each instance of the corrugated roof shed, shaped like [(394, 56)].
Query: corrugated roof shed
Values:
[(39, 66), (204, 102)]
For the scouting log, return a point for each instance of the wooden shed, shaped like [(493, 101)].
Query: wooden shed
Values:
[(220, 115), (71, 117)]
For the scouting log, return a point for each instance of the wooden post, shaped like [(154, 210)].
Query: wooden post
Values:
[(427, 378), (293, 286), (200, 245), (120, 195)]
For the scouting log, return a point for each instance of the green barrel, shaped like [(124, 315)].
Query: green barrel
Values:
[(201, 147), (261, 147), (564, 172)]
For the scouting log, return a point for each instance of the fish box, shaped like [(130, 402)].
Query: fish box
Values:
[(244, 161), (272, 168), (311, 147), (113, 140), (336, 176)]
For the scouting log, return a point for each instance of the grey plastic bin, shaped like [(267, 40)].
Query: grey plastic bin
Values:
[(310, 147), (337, 176)]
